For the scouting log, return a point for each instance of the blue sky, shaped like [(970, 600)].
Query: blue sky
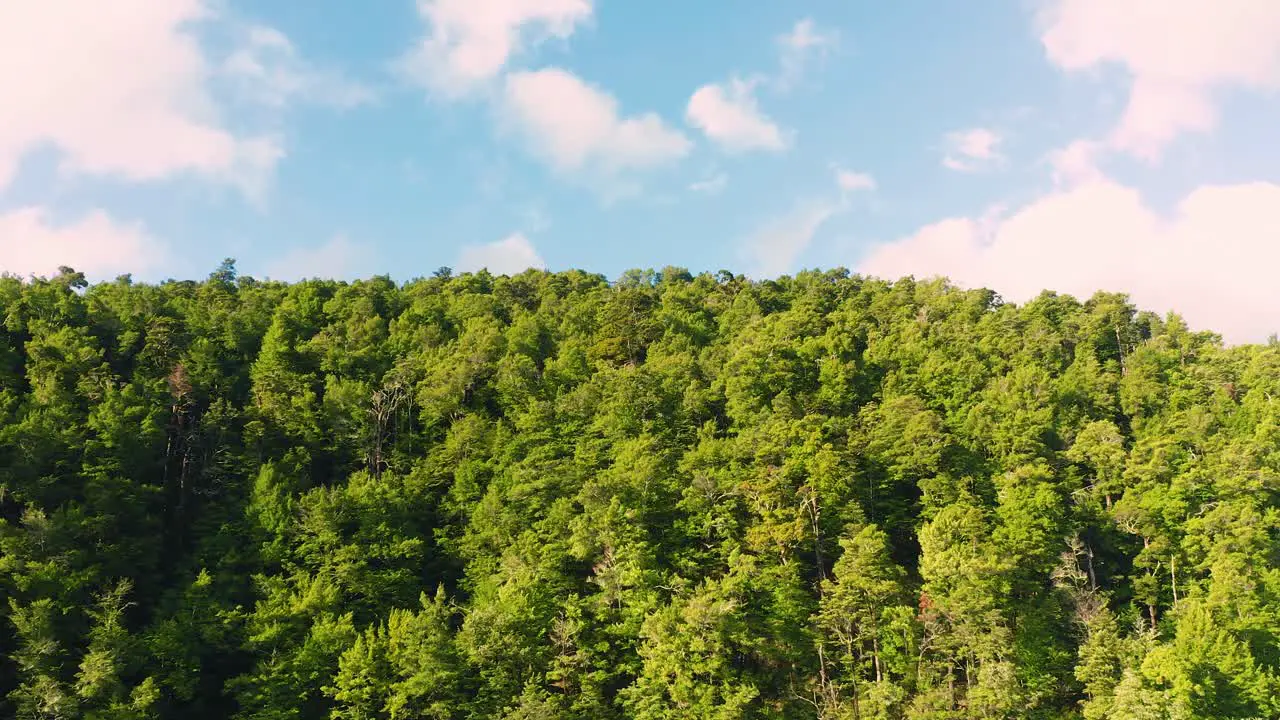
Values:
[(1071, 144)]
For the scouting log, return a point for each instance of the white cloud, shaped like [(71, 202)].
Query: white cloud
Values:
[(1175, 52), (712, 185), (96, 245), (269, 71), (512, 255), (1211, 261), (849, 181), (470, 42), (1210, 258), (118, 88), (972, 150), (799, 44), (1075, 164), (730, 117), (729, 114), (577, 127), (338, 258)]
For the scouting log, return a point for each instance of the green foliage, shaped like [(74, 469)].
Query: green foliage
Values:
[(670, 496)]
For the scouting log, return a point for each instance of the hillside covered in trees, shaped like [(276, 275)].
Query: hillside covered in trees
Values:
[(669, 496)]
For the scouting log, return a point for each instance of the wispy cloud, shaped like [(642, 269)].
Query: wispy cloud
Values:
[(268, 70), (798, 47), (849, 181), (336, 258), (710, 185), (774, 248), (509, 256), (972, 150)]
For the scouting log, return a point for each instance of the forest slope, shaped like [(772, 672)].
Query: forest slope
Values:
[(551, 496)]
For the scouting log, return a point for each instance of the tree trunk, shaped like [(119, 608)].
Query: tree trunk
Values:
[(1093, 579), (1120, 349), (875, 656)]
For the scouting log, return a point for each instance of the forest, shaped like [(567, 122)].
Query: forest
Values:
[(665, 496)]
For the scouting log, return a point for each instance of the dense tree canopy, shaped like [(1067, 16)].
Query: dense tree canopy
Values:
[(669, 496)]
